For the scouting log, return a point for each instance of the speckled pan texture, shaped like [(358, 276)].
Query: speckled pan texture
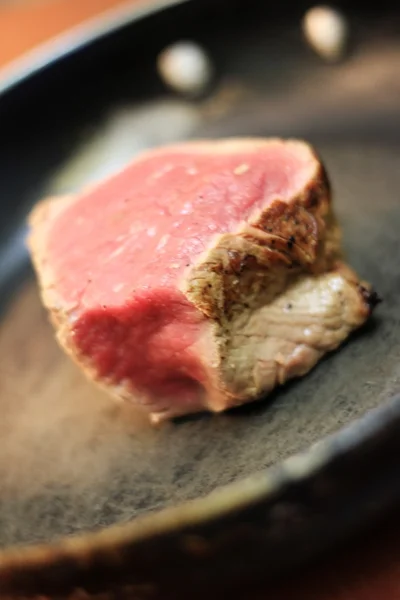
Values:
[(104, 495)]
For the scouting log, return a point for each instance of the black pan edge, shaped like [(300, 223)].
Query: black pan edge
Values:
[(78, 37)]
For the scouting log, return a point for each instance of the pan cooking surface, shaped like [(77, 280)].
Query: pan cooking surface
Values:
[(69, 459)]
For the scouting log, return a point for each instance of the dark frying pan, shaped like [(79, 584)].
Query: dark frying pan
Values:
[(90, 498)]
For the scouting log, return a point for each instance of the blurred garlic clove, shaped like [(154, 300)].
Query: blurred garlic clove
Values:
[(185, 67), (326, 30)]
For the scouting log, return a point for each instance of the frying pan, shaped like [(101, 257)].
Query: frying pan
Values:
[(93, 499)]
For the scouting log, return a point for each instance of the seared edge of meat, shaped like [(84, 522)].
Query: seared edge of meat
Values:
[(279, 293)]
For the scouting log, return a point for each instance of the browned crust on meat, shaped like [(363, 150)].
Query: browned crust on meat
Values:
[(249, 268), (296, 235)]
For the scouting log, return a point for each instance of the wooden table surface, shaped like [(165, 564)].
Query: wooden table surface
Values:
[(366, 569)]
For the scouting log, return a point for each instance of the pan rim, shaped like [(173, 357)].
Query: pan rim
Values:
[(234, 498), (77, 37)]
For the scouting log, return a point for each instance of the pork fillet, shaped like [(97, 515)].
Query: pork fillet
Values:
[(201, 276)]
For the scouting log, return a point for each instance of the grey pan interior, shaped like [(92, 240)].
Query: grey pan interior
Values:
[(91, 111)]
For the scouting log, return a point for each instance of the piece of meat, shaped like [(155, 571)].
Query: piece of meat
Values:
[(201, 276)]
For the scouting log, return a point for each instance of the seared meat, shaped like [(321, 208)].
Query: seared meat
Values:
[(201, 276)]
